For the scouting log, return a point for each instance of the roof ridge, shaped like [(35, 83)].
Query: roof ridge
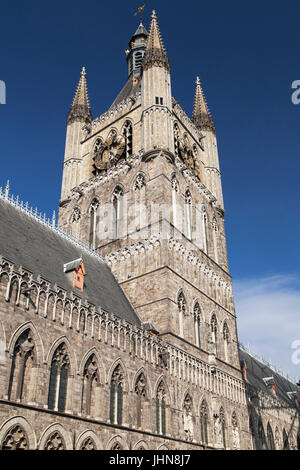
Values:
[(43, 220)]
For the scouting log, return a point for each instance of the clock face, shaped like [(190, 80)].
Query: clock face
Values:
[(109, 152)]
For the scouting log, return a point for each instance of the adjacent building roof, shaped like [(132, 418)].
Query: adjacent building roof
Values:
[(257, 371), (28, 243)]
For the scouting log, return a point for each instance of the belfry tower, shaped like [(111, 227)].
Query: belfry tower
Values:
[(142, 186)]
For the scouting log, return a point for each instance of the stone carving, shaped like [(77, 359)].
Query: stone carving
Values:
[(55, 442), (15, 439), (88, 444), (188, 418), (140, 386), (109, 152), (76, 215)]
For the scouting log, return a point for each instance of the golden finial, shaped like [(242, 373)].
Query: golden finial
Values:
[(140, 12)]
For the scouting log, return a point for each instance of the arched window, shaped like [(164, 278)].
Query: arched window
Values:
[(94, 214), (15, 439), (252, 431), (90, 383), (261, 435), (88, 444), (270, 437), (176, 139), (204, 422), (226, 338), (197, 316), (235, 432), (55, 442), (21, 373), (188, 418), (188, 214), (214, 332), (286, 445), (223, 427), (75, 222), (161, 409), (215, 238), (116, 396), (277, 439), (59, 376), (175, 191), (204, 228), (181, 302), (140, 202), (118, 212), (140, 390), (117, 446), (127, 132)]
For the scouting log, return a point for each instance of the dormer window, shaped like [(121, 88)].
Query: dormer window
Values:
[(77, 267)]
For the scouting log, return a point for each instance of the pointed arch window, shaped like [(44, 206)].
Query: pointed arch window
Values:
[(197, 318), (90, 383), (116, 396), (140, 390), (175, 191), (188, 214), (204, 422), (15, 439), (161, 409), (23, 361), (118, 212), (94, 215), (235, 432), (55, 442), (270, 438), (204, 228), (176, 139), (127, 132), (223, 427), (188, 418), (215, 238), (59, 376), (214, 330), (226, 338), (261, 435), (181, 302), (286, 445)]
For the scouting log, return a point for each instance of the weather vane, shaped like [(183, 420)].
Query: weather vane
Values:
[(140, 12)]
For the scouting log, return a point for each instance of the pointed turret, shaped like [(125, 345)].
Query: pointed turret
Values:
[(136, 52), (201, 115), (155, 52), (80, 109), (204, 121), (157, 119), (79, 114)]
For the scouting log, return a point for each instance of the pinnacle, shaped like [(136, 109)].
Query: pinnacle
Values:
[(155, 40), (80, 109), (201, 114)]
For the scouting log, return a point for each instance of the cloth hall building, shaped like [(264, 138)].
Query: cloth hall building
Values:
[(117, 325)]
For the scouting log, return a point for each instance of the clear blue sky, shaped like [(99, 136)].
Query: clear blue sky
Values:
[(247, 57)]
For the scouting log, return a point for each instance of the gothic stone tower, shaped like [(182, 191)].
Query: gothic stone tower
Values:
[(142, 186)]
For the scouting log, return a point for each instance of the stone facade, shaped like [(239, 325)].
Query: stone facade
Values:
[(142, 188)]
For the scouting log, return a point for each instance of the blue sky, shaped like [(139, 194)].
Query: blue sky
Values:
[(246, 56)]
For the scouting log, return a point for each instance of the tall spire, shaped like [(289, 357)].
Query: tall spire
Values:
[(201, 115), (80, 109), (155, 53)]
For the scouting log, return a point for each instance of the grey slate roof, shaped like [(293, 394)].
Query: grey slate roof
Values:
[(129, 89), (28, 243), (256, 371)]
